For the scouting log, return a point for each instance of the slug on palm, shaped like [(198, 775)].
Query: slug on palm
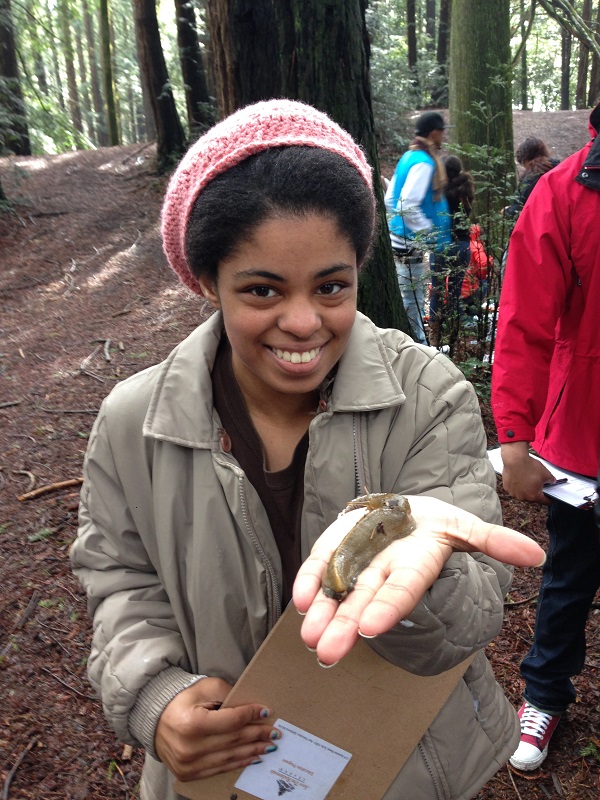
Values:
[(388, 518)]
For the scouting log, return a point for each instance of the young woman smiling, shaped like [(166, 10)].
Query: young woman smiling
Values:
[(210, 478)]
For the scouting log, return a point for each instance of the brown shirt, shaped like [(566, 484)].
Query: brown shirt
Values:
[(282, 492)]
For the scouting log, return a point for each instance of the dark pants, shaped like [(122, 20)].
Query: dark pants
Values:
[(570, 580)]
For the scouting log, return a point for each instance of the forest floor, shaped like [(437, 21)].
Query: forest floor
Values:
[(87, 299)]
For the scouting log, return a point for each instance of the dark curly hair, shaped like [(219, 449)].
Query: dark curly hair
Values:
[(534, 155), (295, 181), (460, 189)]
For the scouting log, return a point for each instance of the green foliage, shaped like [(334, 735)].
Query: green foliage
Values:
[(41, 535), (591, 750), (479, 374)]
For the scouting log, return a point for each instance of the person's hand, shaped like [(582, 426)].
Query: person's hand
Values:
[(524, 477), (392, 585), (196, 739)]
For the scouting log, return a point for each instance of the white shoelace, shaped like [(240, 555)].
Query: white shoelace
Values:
[(534, 722)]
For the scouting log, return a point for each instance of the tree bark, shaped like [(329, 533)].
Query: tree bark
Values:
[(11, 96), (440, 94), (411, 41), (36, 49), (170, 143), (52, 39), (100, 125), (200, 112), (565, 72), (430, 19), (108, 75), (245, 44), (594, 93), (69, 59), (524, 82), (480, 85), (584, 60)]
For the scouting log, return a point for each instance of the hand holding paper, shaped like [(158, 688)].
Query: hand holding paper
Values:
[(524, 477), (390, 588), (195, 738)]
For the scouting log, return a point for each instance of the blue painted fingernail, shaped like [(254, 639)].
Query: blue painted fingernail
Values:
[(275, 735), (256, 761), (271, 748), (265, 712)]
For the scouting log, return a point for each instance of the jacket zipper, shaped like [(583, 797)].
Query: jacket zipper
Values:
[(438, 793), (273, 597), (359, 467)]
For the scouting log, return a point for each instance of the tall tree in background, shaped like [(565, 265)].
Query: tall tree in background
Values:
[(430, 17), (56, 74), (524, 82), (411, 40), (66, 23), (584, 60), (100, 125), (170, 142), (14, 130), (440, 95), (480, 86), (200, 114), (245, 43), (108, 74), (566, 41), (319, 53), (594, 93)]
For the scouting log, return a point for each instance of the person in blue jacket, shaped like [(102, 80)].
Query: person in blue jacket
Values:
[(420, 221)]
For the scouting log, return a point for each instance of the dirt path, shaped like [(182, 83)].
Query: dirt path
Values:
[(87, 300)]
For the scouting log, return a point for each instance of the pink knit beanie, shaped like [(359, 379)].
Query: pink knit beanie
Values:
[(271, 123)]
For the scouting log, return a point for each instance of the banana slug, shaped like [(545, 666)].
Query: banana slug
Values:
[(388, 518)]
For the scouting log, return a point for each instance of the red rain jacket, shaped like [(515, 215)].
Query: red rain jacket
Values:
[(546, 373)]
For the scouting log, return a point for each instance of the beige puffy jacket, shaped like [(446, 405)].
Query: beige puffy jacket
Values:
[(182, 572)]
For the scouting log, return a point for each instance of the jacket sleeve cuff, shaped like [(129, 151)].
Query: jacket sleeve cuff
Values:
[(152, 701), (515, 433)]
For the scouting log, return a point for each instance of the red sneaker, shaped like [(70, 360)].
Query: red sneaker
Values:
[(536, 731)]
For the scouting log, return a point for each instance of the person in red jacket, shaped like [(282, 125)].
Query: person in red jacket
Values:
[(546, 393)]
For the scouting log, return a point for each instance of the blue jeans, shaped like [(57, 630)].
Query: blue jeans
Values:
[(570, 579), (413, 279)]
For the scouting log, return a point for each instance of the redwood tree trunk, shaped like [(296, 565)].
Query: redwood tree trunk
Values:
[(565, 72), (69, 57), (97, 102), (200, 113), (594, 93), (411, 40), (245, 47), (108, 74), (440, 94), (584, 60), (11, 96), (170, 144), (480, 60)]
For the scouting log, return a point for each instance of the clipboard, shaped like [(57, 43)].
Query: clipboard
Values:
[(570, 487), (356, 705)]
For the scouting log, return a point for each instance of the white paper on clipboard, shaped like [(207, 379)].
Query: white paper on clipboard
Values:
[(574, 489)]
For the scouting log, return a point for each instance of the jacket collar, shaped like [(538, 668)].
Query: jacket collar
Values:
[(589, 174), (181, 406)]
